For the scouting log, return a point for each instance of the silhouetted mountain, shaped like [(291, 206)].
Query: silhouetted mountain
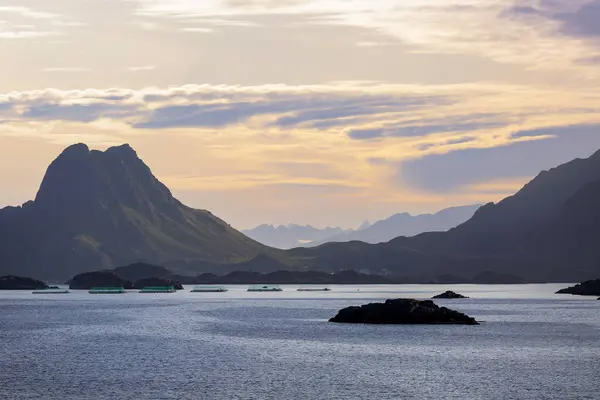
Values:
[(97, 210), (405, 224), (546, 232), (288, 237)]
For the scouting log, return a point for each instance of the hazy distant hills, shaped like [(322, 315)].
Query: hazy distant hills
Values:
[(548, 231), (290, 236), (404, 224), (99, 210)]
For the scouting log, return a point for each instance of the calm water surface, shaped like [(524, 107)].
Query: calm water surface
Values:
[(532, 344)]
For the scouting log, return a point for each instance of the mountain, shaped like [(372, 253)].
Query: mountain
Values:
[(290, 236), (405, 224), (97, 210), (546, 232), (366, 224)]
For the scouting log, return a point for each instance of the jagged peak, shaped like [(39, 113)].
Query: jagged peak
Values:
[(122, 150)]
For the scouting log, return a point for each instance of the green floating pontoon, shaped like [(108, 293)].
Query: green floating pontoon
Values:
[(107, 290), (264, 288), (158, 289), (208, 289), (51, 291)]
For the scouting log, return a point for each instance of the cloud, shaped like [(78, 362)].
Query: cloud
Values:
[(471, 27), (28, 23), (228, 22), (25, 34), (198, 30), (309, 107), (473, 122), (77, 112), (66, 69), (581, 19), (27, 12), (456, 170), (371, 44), (363, 105), (142, 68)]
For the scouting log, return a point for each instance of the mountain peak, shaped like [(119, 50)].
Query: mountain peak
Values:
[(77, 148), (84, 180), (124, 150)]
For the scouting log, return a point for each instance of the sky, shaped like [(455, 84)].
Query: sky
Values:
[(322, 112)]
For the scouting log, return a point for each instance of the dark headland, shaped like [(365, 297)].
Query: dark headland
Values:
[(11, 282), (588, 288)]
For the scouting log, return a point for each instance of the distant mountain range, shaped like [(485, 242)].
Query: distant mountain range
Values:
[(547, 232), (290, 236), (97, 210)]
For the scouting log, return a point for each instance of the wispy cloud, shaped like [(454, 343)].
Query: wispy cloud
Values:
[(25, 34), (197, 30), (142, 68), (25, 23), (27, 12), (437, 26), (66, 69)]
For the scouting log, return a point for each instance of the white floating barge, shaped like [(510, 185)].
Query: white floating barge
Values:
[(208, 289), (264, 288), (313, 290)]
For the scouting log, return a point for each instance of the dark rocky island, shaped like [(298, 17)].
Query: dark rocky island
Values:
[(89, 280), (12, 282), (402, 311), (153, 282), (588, 288), (449, 294)]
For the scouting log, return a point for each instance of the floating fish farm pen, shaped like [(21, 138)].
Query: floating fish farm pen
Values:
[(264, 288), (158, 289), (208, 289), (107, 290)]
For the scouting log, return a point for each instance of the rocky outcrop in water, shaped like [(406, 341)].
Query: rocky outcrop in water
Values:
[(89, 280), (402, 311), (588, 288), (12, 282), (449, 294), (153, 282)]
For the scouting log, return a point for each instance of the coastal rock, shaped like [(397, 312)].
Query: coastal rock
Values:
[(11, 282), (150, 282), (449, 294), (89, 280), (588, 288), (402, 311)]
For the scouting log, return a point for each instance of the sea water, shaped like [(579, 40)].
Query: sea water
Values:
[(531, 344)]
